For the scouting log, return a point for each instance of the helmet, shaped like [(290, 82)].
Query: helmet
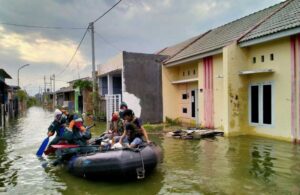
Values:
[(57, 114)]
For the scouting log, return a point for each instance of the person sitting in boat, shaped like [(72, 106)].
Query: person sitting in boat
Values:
[(123, 107), (134, 131), (81, 134), (116, 125), (57, 126)]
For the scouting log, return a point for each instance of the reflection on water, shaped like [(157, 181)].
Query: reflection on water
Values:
[(239, 165), (262, 163)]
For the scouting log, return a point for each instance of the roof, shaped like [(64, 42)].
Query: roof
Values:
[(260, 22), (3, 85), (14, 87), (85, 78), (65, 89), (174, 49), (284, 19), (4, 74)]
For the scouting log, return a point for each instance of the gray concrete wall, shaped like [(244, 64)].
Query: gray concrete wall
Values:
[(142, 79)]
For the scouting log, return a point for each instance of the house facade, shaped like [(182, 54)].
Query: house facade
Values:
[(136, 77), (4, 88), (76, 100), (242, 77)]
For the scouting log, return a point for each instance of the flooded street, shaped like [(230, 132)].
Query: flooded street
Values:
[(240, 165)]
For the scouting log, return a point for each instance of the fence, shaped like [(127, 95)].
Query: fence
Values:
[(112, 105), (8, 111)]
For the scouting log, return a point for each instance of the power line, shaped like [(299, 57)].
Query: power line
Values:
[(43, 27), (68, 64), (107, 11), (107, 42)]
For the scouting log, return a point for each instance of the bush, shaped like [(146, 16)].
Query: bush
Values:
[(32, 101), (172, 122), (22, 95)]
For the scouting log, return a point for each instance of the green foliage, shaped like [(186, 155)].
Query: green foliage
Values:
[(22, 95), (83, 84), (101, 116), (32, 101), (154, 127), (172, 122)]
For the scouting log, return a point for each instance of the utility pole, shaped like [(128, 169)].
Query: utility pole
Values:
[(50, 83), (95, 105), (44, 95), (54, 94)]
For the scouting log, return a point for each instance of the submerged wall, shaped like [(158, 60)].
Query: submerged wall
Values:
[(142, 85)]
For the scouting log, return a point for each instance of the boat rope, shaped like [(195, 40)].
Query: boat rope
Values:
[(141, 170)]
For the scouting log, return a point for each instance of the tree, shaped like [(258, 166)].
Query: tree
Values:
[(83, 84), (22, 95)]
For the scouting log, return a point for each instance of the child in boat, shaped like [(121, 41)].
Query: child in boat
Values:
[(134, 131), (80, 134)]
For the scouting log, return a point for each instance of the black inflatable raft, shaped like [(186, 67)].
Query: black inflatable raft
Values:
[(116, 164)]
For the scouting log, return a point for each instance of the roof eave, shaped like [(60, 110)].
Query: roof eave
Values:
[(5, 74), (194, 57), (270, 37)]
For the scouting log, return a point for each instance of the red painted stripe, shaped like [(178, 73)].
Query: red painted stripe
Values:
[(298, 86), (208, 92)]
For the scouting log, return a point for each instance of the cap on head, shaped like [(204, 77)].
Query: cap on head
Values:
[(123, 104)]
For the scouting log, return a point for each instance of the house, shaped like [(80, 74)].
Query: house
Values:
[(136, 77), (65, 97), (3, 86), (75, 99), (242, 77), (13, 103)]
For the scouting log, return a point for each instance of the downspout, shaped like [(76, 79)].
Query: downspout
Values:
[(293, 89)]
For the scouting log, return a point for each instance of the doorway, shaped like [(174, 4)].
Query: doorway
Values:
[(194, 105)]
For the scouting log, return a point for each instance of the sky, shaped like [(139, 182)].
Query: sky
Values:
[(144, 26)]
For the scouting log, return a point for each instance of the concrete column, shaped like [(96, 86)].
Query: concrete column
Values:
[(235, 90), (110, 84)]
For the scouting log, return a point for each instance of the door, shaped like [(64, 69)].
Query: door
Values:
[(193, 103)]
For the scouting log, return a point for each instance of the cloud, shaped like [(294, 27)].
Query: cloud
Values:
[(37, 49), (134, 25), (210, 9)]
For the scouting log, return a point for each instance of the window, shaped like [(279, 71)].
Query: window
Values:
[(183, 73), (184, 96), (260, 104), (184, 110), (271, 57), (188, 73), (262, 58), (194, 72), (254, 60)]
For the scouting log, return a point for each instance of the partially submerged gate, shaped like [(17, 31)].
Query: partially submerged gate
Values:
[(112, 105)]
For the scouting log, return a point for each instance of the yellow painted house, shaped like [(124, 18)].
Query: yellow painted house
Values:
[(242, 77)]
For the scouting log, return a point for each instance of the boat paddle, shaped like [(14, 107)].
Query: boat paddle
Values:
[(42, 148)]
